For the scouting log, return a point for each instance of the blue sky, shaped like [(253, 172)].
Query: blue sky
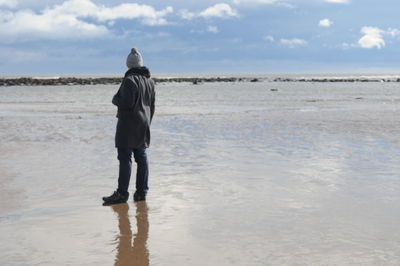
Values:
[(188, 36)]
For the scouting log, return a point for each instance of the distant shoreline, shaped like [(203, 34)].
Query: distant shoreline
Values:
[(54, 81)]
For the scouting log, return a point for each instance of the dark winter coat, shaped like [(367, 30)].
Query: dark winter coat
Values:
[(135, 101)]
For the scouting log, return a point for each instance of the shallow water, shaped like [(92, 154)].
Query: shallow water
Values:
[(240, 175)]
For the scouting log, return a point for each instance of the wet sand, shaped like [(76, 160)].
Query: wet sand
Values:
[(241, 174)]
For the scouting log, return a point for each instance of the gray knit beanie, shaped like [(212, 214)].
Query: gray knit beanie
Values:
[(134, 59)]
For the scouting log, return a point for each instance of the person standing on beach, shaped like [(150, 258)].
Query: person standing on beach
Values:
[(135, 101)]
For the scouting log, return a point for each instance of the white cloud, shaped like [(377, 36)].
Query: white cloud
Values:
[(213, 29), (292, 43), (269, 38), (186, 14), (393, 32), (215, 11), (86, 8), (5, 16), (24, 25), (8, 3), (346, 45), (325, 23), (338, 1), (219, 11), (238, 2), (210, 28), (254, 3), (372, 38), (67, 20)]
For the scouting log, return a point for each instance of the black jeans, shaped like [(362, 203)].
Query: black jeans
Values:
[(125, 169)]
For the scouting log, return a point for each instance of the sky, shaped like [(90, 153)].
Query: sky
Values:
[(42, 37)]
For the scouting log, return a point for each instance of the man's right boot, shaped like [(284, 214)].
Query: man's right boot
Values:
[(115, 198)]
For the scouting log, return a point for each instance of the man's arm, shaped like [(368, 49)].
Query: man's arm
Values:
[(124, 97), (152, 106)]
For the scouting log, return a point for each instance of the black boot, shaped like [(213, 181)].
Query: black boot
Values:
[(139, 196), (115, 198)]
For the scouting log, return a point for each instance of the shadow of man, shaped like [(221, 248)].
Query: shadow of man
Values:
[(129, 253)]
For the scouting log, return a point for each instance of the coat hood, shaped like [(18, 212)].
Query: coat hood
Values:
[(143, 71)]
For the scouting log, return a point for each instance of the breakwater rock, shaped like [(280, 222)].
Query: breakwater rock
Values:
[(54, 81), (57, 81), (336, 79), (30, 81)]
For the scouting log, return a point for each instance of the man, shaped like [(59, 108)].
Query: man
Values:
[(135, 101)]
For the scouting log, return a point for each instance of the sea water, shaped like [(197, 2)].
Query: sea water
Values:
[(262, 173)]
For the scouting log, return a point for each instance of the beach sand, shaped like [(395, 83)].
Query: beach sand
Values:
[(262, 173)]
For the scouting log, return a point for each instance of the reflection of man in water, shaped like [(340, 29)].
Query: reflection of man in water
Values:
[(128, 253)]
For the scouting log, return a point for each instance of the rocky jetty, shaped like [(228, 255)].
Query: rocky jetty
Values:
[(337, 79), (56, 81), (32, 81)]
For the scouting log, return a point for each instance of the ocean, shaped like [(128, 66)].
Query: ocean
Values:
[(241, 173)]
